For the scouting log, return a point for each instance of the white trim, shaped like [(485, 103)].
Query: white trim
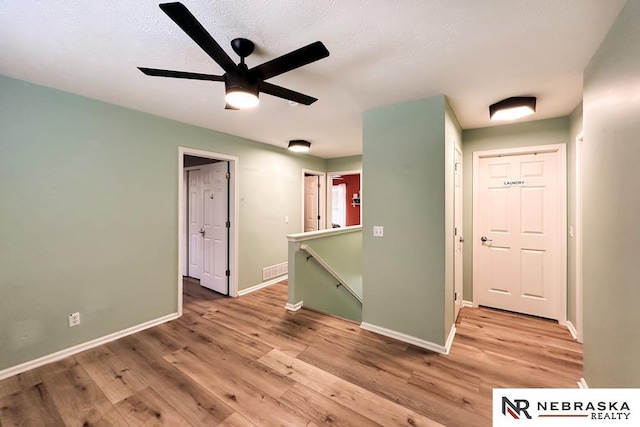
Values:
[(234, 213), (572, 329), (437, 348), (579, 236), (466, 303), (452, 335), (301, 237), (561, 149), (254, 288), (293, 307), (582, 383), (59, 355), (322, 179)]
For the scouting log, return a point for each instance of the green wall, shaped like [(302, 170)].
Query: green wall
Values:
[(89, 212), (404, 182), (541, 132), (611, 205), (340, 164), (315, 287)]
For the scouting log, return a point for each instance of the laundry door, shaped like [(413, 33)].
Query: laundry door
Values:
[(215, 226), (517, 233)]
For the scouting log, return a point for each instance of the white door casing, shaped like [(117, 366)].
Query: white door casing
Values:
[(458, 234), (194, 223), (311, 203), (579, 236), (520, 209), (220, 234)]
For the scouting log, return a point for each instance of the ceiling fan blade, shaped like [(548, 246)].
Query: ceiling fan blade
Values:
[(180, 74), (281, 92), (292, 60), (190, 25)]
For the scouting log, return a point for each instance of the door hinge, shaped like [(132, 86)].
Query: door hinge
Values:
[(228, 175), (227, 273), (318, 217), (455, 231), (318, 185), (228, 224)]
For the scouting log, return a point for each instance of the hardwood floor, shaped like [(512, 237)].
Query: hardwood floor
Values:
[(248, 362)]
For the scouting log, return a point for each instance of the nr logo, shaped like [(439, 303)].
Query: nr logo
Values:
[(516, 409)]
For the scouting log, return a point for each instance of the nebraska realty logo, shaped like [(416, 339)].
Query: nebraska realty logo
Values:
[(566, 407)]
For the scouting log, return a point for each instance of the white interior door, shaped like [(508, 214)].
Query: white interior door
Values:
[(215, 236), (458, 236), (194, 226), (311, 202), (517, 234)]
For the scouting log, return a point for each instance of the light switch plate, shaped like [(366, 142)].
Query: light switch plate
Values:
[(378, 231)]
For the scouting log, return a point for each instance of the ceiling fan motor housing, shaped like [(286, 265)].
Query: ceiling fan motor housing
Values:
[(241, 81)]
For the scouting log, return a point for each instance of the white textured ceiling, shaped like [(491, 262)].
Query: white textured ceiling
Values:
[(382, 52)]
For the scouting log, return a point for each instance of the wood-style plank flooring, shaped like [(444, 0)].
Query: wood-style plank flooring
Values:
[(248, 362)]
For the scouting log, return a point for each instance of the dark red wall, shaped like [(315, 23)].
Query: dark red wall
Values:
[(353, 186)]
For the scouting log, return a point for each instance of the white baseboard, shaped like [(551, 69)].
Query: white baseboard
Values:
[(293, 307), (452, 335), (572, 329), (437, 348), (262, 285), (467, 303), (582, 383), (59, 355)]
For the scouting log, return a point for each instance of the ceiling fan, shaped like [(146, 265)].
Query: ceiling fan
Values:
[(242, 85)]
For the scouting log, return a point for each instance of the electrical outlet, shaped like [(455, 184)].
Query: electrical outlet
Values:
[(74, 319), (378, 231)]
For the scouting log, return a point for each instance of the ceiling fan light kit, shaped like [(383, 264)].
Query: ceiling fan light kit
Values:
[(512, 108), (242, 85), (299, 145)]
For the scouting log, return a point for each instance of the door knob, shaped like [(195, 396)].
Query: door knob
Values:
[(461, 240), (485, 239), (202, 232)]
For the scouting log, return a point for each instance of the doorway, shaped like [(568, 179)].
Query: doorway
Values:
[(208, 212), (519, 224), (313, 200), (344, 191)]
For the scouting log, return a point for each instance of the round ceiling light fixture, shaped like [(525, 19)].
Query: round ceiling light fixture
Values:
[(512, 108), (299, 145)]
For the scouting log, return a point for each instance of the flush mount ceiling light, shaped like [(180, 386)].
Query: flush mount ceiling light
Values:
[(513, 108), (299, 145)]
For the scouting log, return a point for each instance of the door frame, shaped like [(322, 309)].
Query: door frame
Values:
[(458, 286), (561, 149), (321, 193), (579, 235), (234, 211), (329, 195)]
